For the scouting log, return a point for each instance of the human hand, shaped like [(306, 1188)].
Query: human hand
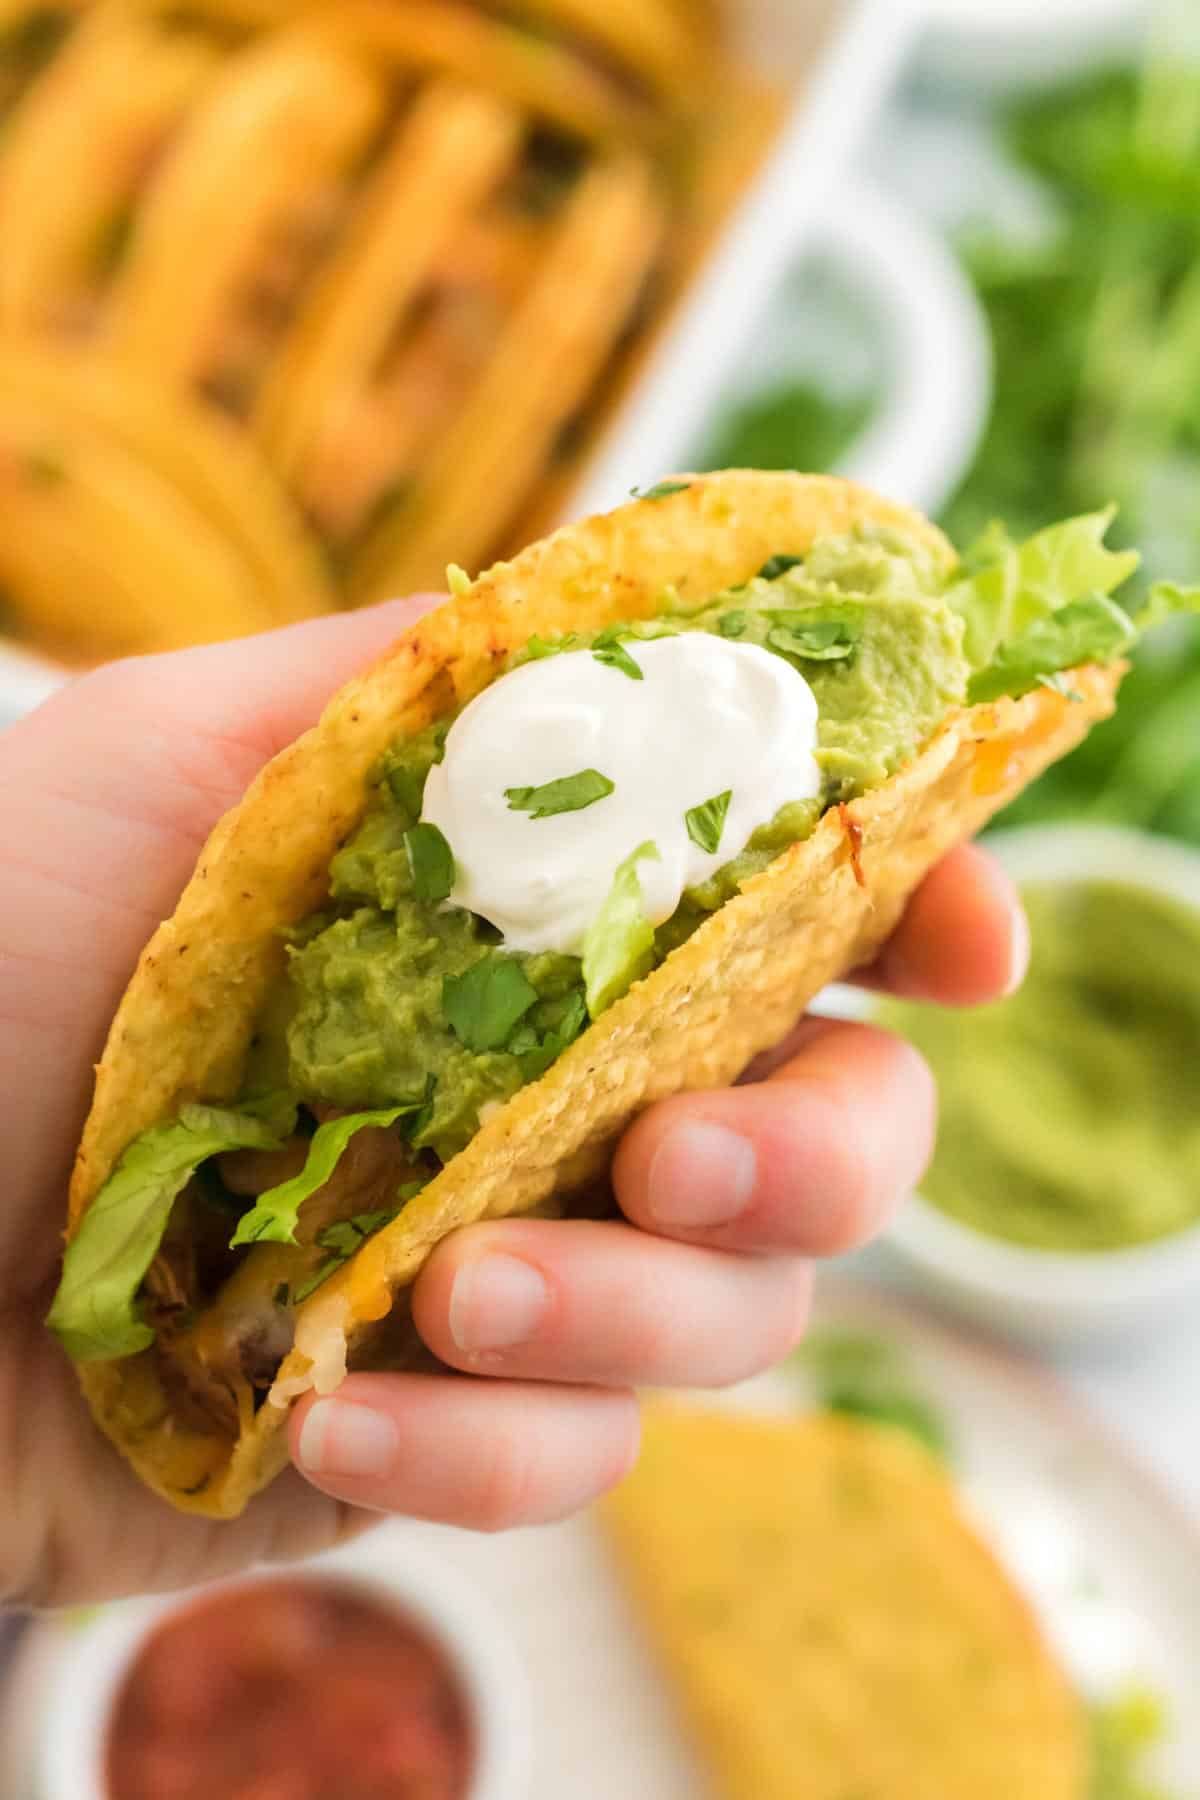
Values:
[(106, 795)]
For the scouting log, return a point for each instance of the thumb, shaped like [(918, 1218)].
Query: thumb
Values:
[(107, 793)]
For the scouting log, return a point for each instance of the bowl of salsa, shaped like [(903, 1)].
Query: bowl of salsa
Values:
[(1063, 1199), (370, 1675)]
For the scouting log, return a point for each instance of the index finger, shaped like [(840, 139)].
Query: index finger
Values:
[(963, 940)]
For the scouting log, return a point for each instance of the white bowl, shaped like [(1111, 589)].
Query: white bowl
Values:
[(938, 348), (1049, 1296), (1004, 44), (85, 1680)]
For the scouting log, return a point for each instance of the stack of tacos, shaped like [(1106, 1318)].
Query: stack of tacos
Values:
[(407, 247), (323, 1064)]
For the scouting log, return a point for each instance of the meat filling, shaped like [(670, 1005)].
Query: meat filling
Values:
[(223, 1330)]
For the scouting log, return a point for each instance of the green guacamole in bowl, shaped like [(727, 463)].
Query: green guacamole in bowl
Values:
[(1069, 1119)]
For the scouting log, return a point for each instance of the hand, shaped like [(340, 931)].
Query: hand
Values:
[(106, 795)]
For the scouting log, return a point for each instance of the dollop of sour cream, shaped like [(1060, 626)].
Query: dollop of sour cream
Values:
[(708, 717)]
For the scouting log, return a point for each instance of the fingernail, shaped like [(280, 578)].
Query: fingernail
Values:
[(701, 1175), (496, 1302), (1019, 952), (338, 1439)]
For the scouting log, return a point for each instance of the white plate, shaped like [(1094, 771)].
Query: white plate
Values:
[(1112, 1565)]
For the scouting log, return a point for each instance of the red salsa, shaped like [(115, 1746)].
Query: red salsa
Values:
[(296, 1689)]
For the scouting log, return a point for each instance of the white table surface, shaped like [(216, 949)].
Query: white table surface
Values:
[(1145, 1390)]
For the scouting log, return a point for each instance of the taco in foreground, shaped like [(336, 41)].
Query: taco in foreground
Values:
[(594, 831)]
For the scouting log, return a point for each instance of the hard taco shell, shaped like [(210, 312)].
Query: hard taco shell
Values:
[(822, 908)]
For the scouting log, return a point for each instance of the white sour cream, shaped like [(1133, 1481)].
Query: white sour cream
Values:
[(708, 716)]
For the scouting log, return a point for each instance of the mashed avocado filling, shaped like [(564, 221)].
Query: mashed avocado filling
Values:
[(403, 1021)]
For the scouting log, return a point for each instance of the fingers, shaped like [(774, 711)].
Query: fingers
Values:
[(106, 795), (140, 759), (964, 938), (480, 1454), (811, 1160), (262, 691), (582, 1302)]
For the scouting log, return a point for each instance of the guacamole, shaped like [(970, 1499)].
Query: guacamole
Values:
[(863, 620), (1068, 1113)]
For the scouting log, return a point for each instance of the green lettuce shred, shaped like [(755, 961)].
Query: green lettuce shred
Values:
[(94, 1313), (1010, 587), (1095, 630), (275, 1214), (619, 947), (1032, 610)]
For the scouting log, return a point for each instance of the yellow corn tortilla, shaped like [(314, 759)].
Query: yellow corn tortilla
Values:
[(820, 909), (832, 1623)]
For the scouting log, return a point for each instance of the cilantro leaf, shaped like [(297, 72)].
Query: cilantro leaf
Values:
[(706, 823), (619, 947), (535, 1054), (347, 1236), (614, 655), (432, 862), (815, 636), (775, 566), (570, 793), (274, 1215), (486, 1002), (94, 1312), (662, 490)]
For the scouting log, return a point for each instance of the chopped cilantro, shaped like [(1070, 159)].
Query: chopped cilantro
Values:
[(613, 654), (813, 639), (662, 491), (706, 823), (487, 1001), (570, 793), (345, 1238), (431, 860), (536, 1053), (775, 566)]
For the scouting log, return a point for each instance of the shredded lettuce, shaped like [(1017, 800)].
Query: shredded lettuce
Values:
[(1166, 600), (1009, 587), (619, 947), (274, 1215), (1032, 610), (94, 1312), (1095, 630)]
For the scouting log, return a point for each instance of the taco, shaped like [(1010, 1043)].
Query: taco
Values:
[(820, 1599), (594, 831)]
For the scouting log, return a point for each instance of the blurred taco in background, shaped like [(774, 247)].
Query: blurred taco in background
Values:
[(817, 1591), (594, 831), (405, 250)]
